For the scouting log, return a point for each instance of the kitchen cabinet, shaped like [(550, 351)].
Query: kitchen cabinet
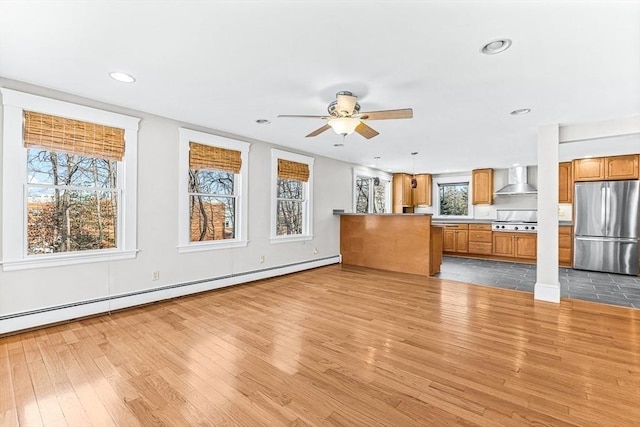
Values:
[(435, 253), (606, 168), (402, 194), (588, 169), (480, 240), (621, 167), (565, 245), (565, 182), (456, 238), (515, 245), (482, 186), (422, 192)]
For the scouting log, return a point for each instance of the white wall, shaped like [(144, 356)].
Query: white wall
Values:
[(26, 290)]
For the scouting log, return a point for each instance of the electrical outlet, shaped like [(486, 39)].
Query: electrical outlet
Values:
[(155, 275), (262, 259), (315, 251)]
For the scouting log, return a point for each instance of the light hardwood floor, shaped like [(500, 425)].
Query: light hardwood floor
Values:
[(337, 346)]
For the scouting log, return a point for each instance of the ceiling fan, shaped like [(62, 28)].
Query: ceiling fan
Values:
[(345, 116)]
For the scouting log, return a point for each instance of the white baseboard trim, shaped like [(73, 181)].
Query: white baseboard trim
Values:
[(36, 318), (547, 292)]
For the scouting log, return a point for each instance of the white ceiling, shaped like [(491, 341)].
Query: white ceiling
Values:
[(224, 64)]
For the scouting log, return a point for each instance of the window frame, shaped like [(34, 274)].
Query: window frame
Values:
[(14, 186), (307, 216), (372, 173), (240, 188), (450, 179)]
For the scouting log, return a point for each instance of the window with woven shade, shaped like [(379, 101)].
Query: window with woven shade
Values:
[(214, 196), (291, 218), (72, 160), (72, 191)]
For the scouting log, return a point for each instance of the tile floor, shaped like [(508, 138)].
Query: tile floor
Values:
[(606, 288)]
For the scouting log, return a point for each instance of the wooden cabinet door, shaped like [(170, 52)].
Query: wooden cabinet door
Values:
[(406, 190), (588, 169), (503, 244), (422, 192), (449, 240), (401, 191), (526, 245), (462, 241), (482, 186), (565, 183), (621, 167), (565, 245)]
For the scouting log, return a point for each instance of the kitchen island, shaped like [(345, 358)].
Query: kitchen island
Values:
[(404, 243)]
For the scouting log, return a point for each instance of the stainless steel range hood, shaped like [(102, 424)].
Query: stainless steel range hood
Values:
[(517, 183)]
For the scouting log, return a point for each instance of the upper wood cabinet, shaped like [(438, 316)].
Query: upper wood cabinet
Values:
[(621, 167), (588, 169), (422, 192), (606, 168), (402, 194), (565, 183), (482, 186)]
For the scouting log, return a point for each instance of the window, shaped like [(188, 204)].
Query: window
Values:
[(213, 191), (371, 192), (69, 182), (453, 197), (291, 183)]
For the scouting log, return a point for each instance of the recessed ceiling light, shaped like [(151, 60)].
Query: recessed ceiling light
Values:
[(263, 121), (496, 46), (338, 145), (122, 77), (516, 164), (389, 170), (520, 111), (587, 157), (372, 166)]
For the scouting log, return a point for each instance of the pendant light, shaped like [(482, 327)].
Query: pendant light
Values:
[(414, 181), (376, 180)]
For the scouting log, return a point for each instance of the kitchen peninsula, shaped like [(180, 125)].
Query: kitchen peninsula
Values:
[(406, 243)]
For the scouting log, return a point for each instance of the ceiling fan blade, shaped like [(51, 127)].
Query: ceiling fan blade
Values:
[(303, 116), (319, 131), (366, 131), (346, 104), (404, 113)]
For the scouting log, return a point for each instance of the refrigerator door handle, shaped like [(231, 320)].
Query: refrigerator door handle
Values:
[(607, 222), (607, 239), (603, 209)]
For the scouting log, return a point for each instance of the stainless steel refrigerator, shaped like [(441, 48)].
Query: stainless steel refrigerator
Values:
[(606, 226)]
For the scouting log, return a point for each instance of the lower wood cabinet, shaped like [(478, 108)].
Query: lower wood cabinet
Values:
[(480, 241), (456, 238), (565, 246), (515, 245)]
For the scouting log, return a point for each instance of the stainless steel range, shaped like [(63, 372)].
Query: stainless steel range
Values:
[(516, 220)]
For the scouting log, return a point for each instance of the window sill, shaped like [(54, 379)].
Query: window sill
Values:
[(58, 260), (288, 239), (210, 246)]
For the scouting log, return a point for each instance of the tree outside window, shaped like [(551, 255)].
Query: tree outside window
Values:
[(212, 204), (454, 198), (72, 202), (370, 195)]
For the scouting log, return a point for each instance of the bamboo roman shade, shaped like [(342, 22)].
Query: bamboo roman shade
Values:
[(293, 170), (72, 136), (207, 157)]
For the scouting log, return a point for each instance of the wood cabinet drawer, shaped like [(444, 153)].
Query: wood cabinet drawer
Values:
[(480, 248), (564, 241), (481, 227), (480, 236), (457, 226), (565, 230)]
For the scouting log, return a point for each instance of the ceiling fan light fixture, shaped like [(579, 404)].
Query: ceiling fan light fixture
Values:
[(344, 125)]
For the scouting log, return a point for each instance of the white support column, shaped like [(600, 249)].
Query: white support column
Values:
[(547, 286)]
